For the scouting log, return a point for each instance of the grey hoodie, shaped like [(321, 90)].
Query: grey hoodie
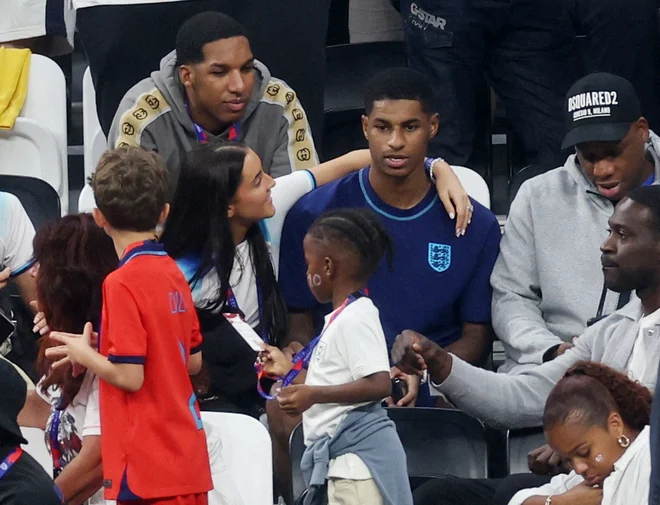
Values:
[(517, 401), (153, 115), (547, 280)]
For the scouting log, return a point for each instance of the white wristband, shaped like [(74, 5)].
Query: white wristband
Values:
[(429, 165)]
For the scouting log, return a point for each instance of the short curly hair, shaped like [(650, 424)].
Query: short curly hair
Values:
[(130, 187), (590, 391)]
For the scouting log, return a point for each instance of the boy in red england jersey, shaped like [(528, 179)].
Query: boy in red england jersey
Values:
[(153, 444)]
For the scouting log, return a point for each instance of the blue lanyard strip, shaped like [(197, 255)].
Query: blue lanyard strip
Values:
[(203, 137), (233, 303), (53, 440), (9, 461)]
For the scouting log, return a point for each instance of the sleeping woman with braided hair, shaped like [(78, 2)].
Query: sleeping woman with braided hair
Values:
[(597, 420)]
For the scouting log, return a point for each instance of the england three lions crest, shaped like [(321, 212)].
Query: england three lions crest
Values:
[(439, 256)]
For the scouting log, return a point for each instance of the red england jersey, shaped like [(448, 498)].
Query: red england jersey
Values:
[(153, 444)]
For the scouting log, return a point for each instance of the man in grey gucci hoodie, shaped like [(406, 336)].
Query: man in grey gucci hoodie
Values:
[(212, 87), (547, 281)]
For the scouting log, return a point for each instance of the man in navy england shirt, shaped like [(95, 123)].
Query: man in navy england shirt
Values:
[(439, 285)]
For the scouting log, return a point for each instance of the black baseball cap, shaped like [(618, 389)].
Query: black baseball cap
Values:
[(600, 107)]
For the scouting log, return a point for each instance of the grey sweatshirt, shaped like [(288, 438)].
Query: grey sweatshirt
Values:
[(153, 115), (517, 401), (368, 433), (547, 280)]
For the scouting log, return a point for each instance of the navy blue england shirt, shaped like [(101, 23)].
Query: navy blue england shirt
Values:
[(438, 281)]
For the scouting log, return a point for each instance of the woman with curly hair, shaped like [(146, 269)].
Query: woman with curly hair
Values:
[(596, 419), (73, 256)]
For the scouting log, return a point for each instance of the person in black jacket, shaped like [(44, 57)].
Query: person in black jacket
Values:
[(23, 481), (654, 497)]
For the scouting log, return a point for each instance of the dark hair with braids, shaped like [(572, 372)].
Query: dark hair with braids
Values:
[(589, 392), (360, 230), (74, 257)]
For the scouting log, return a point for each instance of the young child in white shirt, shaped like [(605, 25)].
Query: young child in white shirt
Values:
[(597, 419), (348, 369)]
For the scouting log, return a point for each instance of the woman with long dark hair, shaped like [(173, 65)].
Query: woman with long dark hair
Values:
[(224, 230), (72, 258)]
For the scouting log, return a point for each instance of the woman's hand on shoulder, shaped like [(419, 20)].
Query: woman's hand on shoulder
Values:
[(452, 195)]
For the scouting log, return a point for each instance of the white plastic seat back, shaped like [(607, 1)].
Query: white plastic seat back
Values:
[(46, 105), (474, 185), (36, 448), (86, 201), (30, 149), (93, 137), (241, 459)]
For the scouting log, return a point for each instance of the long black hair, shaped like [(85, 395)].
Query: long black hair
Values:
[(198, 224)]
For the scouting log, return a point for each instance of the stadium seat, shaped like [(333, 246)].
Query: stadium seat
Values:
[(442, 442), (349, 67), (94, 139), (437, 442), (474, 184), (241, 459), (523, 175), (40, 200), (296, 450), (36, 448), (30, 149), (86, 201), (46, 105), (520, 444)]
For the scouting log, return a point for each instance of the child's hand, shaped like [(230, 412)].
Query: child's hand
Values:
[(4, 277), (40, 323), (75, 349), (296, 399), (274, 361)]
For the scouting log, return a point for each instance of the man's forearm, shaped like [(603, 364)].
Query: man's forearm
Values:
[(439, 366), (83, 476), (368, 389), (301, 327), (474, 344)]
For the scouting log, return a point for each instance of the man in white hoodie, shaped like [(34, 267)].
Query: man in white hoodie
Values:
[(547, 281)]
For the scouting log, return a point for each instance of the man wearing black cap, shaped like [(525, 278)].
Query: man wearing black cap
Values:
[(22, 480), (547, 282)]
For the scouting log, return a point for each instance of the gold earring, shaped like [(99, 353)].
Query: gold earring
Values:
[(623, 441)]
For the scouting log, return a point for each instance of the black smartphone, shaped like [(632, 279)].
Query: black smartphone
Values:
[(6, 328), (399, 389)]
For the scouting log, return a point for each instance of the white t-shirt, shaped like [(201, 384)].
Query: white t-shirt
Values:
[(286, 192), (627, 484), (16, 235), (27, 19), (638, 369), (352, 347), (80, 419)]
